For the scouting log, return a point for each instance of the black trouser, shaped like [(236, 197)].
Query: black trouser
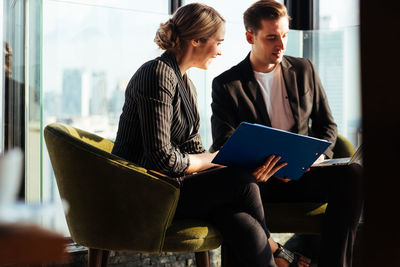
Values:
[(230, 199), (341, 187)]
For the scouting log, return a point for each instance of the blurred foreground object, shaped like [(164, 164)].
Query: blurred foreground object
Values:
[(10, 177), (30, 244), (23, 243)]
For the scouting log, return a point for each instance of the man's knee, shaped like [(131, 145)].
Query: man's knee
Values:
[(355, 174)]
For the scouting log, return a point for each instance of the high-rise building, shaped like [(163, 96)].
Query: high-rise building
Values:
[(117, 101), (330, 65), (52, 104), (98, 97), (71, 93), (75, 93)]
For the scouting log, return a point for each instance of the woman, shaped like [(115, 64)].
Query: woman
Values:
[(158, 130)]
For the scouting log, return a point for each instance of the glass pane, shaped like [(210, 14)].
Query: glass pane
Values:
[(335, 54), (2, 62), (338, 63), (33, 107), (234, 49), (338, 14), (13, 81), (153, 6), (90, 51)]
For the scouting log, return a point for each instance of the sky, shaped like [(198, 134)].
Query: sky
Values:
[(117, 32)]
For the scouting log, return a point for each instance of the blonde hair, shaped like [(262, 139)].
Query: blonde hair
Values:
[(192, 21)]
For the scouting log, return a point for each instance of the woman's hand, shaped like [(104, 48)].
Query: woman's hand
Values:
[(264, 172), (200, 162)]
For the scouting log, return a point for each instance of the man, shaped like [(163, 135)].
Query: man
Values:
[(285, 92)]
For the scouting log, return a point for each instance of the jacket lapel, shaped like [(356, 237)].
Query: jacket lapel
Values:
[(253, 90), (289, 77), (188, 107)]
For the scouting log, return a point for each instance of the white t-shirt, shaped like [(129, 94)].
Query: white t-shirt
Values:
[(276, 99)]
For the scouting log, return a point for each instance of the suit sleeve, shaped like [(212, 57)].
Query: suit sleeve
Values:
[(154, 104), (193, 145), (222, 118), (323, 125)]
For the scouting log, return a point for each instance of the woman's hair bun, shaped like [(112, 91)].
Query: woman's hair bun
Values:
[(191, 21), (167, 36)]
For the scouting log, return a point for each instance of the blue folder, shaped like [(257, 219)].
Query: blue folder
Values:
[(251, 144)]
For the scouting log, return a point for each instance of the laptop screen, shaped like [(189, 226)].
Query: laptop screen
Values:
[(357, 157)]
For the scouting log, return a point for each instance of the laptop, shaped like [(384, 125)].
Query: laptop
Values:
[(356, 158)]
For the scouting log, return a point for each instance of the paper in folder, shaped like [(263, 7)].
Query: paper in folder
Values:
[(251, 144)]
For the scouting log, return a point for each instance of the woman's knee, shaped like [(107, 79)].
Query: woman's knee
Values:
[(240, 176), (246, 229)]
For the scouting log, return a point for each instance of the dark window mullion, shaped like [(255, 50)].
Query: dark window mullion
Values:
[(174, 5)]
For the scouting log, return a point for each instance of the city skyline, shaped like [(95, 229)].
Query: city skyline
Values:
[(105, 31)]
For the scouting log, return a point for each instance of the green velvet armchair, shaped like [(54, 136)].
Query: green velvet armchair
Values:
[(303, 218), (116, 205)]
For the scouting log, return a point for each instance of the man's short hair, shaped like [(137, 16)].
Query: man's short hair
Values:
[(263, 9)]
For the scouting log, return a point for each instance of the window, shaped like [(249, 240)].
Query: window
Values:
[(334, 50), (234, 49), (91, 50), (74, 58)]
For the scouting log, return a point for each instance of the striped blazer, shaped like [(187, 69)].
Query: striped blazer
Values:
[(159, 123)]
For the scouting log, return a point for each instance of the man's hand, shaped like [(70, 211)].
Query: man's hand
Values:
[(264, 172), (283, 179)]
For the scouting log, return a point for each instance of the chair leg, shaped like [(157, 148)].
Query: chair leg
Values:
[(202, 259), (98, 257), (224, 256)]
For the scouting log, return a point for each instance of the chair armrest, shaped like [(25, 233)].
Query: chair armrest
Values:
[(343, 148), (164, 177)]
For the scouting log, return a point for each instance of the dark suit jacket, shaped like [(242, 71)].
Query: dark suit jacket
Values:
[(159, 123), (237, 97)]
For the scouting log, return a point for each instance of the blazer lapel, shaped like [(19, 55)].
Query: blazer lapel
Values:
[(188, 107), (289, 77), (253, 90)]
